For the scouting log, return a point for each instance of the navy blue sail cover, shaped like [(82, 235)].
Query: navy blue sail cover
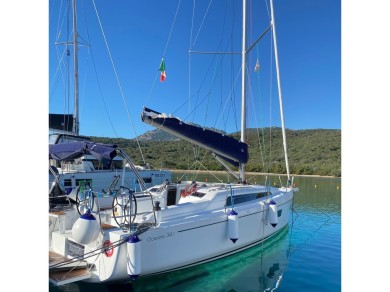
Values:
[(222, 145), (62, 122), (104, 153)]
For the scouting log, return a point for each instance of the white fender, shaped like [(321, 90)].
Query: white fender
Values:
[(273, 213), (233, 226), (133, 257), (86, 229)]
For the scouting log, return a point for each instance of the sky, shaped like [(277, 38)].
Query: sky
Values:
[(309, 50), (118, 75)]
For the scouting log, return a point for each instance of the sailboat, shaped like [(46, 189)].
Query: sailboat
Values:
[(172, 226), (68, 174)]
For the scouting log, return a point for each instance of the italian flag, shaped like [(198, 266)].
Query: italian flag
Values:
[(163, 75)]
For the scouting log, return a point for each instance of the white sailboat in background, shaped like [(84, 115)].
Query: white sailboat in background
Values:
[(66, 175), (175, 225)]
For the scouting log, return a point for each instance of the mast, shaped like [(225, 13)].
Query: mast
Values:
[(76, 74), (243, 85), (279, 89)]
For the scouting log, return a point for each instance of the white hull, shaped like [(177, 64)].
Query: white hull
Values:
[(195, 242), (189, 233)]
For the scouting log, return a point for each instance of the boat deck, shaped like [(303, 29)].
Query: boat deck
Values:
[(68, 274), (55, 258), (105, 226)]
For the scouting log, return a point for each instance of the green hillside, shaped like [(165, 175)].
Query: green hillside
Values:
[(310, 152)]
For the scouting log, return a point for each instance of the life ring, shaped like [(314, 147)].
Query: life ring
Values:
[(108, 248)]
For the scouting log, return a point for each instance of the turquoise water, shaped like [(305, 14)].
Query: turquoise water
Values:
[(304, 256)]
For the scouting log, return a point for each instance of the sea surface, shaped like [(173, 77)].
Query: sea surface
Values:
[(305, 256)]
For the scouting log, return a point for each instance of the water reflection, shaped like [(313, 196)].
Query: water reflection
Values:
[(259, 268)]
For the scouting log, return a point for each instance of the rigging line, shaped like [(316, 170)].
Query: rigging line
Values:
[(261, 141), (201, 25), (58, 75), (192, 23), (209, 91), (184, 103), (221, 60), (232, 72), (214, 53), (51, 11), (261, 122), (151, 89), (166, 47), (220, 102), (197, 171), (266, 5), (229, 96), (67, 89), (217, 178), (185, 173), (266, 165), (259, 38), (173, 24), (250, 23), (189, 57), (246, 106), (270, 106), (193, 111), (66, 66), (85, 72), (189, 83), (211, 88), (204, 156), (82, 93), (255, 117), (217, 68), (201, 85), (196, 150), (59, 25), (117, 78), (97, 78), (220, 63), (223, 53), (197, 92)]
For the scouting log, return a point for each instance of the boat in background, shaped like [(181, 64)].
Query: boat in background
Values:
[(175, 225), (81, 169), (77, 157), (67, 175)]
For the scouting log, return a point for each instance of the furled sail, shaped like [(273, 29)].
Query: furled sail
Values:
[(224, 146)]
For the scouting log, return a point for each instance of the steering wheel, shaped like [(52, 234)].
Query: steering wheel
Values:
[(124, 207)]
